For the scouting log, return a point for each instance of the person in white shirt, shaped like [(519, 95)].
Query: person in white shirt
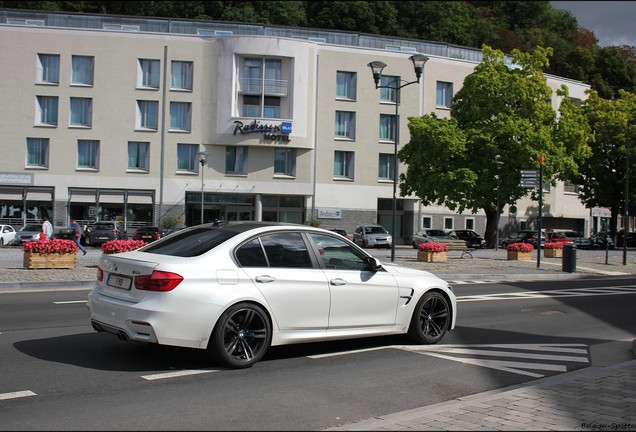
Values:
[(47, 228)]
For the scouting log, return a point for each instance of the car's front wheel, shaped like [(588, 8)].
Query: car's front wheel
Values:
[(241, 336), (431, 319)]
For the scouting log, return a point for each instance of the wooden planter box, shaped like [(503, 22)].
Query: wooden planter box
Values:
[(52, 261), (515, 255), (553, 253), (432, 256)]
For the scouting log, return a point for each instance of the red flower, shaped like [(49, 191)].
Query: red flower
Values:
[(432, 247), (520, 247), (55, 246), (117, 246), (553, 245)]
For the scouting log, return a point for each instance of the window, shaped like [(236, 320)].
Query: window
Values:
[(343, 165), (46, 110), (148, 74), (48, 69), (389, 94), (469, 224), (181, 75), (147, 114), (427, 222), (282, 250), (448, 223), (82, 70), (81, 112), (37, 154), (263, 88), (444, 94), (346, 85), (285, 161), (570, 187), (345, 124), (187, 158), (337, 254), (138, 155), (386, 166), (180, 116), (387, 127), (235, 158), (88, 154)]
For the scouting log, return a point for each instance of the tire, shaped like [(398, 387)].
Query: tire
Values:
[(241, 337), (1, 242), (431, 319)]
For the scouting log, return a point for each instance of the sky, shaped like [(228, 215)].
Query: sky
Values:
[(613, 22)]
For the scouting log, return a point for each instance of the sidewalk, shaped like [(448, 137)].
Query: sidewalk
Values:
[(599, 397)]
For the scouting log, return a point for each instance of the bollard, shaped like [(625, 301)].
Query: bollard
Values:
[(569, 258)]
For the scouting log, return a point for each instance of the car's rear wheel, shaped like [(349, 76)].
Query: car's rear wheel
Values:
[(241, 336), (431, 319)]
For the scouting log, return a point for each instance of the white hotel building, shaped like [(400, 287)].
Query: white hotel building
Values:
[(106, 117)]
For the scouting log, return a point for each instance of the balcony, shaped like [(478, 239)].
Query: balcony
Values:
[(269, 87)]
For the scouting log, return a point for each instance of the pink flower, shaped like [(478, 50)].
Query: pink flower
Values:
[(55, 246), (520, 247), (432, 247), (117, 246), (553, 245)]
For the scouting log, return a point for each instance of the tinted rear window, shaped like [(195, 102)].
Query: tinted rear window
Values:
[(103, 226), (190, 242)]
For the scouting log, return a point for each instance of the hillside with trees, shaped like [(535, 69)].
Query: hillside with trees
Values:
[(502, 25)]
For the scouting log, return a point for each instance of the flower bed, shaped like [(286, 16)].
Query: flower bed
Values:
[(55, 246), (117, 246), (520, 247), (553, 245), (432, 247), (56, 253)]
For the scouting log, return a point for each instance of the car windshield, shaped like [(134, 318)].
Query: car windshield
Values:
[(103, 226), (436, 233), (467, 234), (375, 230), (190, 242), (32, 227)]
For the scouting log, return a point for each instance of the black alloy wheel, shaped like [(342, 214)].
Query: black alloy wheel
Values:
[(431, 319), (241, 336)]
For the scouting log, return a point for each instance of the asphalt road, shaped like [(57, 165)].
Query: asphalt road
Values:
[(72, 378)]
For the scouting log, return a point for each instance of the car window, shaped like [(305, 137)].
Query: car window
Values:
[(375, 230), (189, 242), (32, 227), (337, 254), (103, 226), (286, 250)]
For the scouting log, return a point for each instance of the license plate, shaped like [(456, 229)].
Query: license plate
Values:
[(119, 282)]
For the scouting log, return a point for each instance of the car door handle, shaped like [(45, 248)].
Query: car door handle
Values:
[(264, 279), (337, 282)]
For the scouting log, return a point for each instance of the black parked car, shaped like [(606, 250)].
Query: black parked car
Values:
[(104, 231), (147, 234), (67, 234), (473, 240)]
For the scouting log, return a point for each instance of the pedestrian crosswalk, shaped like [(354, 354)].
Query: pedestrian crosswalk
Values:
[(534, 360), (575, 292)]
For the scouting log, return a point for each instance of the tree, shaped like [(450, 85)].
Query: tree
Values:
[(602, 177), (451, 162)]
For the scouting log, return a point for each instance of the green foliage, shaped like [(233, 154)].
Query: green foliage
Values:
[(169, 222), (451, 162)]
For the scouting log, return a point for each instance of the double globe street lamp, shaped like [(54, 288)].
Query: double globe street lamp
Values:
[(202, 155), (396, 85)]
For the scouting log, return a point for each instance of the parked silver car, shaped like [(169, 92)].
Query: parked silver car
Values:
[(29, 232), (429, 235), (372, 236)]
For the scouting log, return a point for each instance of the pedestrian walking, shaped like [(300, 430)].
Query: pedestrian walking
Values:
[(77, 231), (47, 229)]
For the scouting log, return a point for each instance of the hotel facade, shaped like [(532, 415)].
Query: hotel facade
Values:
[(139, 120)]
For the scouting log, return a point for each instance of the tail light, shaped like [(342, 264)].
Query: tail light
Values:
[(100, 274), (158, 281), (116, 232)]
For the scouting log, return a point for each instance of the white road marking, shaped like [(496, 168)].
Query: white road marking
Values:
[(16, 395), (177, 374), (70, 302), (474, 355), (576, 292)]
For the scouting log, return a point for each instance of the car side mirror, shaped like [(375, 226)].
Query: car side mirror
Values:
[(373, 264)]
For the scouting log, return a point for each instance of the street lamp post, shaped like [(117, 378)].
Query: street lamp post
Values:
[(499, 167), (376, 67), (202, 161), (625, 210)]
